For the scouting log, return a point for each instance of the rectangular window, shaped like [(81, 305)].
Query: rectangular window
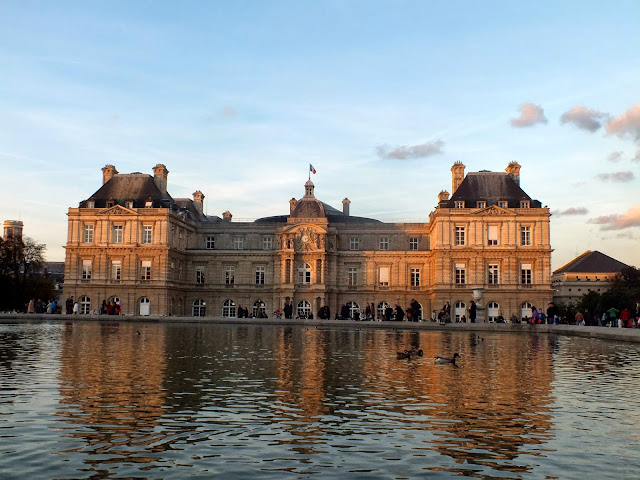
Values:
[(384, 243), (88, 234), (525, 236), (354, 243), (460, 236), (461, 274), (267, 242), (148, 204), (503, 203), (238, 243), (260, 275), (209, 243), (458, 204), (481, 204), (116, 269), (492, 235), (415, 277), (524, 204), (128, 204), (413, 243), (86, 269), (494, 274), (525, 274), (200, 275), (352, 273), (145, 271), (146, 233), (229, 275), (384, 276), (117, 233)]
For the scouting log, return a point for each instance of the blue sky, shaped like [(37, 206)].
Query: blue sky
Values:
[(237, 98)]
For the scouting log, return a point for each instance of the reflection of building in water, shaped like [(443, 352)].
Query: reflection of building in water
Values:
[(112, 383)]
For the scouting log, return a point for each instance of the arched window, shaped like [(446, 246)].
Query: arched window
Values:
[(304, 274), (493, 311), (229, 309), (353, 309), (145, 306), (525, 310), (304, 309), (259, 309), (382, 306), (199, 308), (459, 311), (85, 305)]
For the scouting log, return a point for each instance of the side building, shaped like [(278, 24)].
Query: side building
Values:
[(133, 243)]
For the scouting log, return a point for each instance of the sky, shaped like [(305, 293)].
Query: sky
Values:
[(237, 98)]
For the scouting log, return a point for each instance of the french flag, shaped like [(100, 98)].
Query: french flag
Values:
[(311, 169)]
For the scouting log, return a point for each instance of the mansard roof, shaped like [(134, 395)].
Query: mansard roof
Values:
[(490, 187), (138, 187), (592, 262)]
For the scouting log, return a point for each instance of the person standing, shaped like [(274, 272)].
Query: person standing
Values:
[(76, 308), (472, 312), (31, 308)]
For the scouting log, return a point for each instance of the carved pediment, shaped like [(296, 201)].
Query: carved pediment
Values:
[(117, 210), (305, 238), (494, 210)]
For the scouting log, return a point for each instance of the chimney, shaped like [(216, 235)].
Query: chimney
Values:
[(198, 198), (226, 216), (108, 171), (345, 206), (292, 205), (513, 170), (443, 196), (161, 173), (457, 176)]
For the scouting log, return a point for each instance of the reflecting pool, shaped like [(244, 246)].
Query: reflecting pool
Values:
[(88, 400)]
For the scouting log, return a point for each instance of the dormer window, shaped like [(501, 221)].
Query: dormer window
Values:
[(148, 204), (481, 204), (110, 203), (91, 204), (128, 204), (503, 203), (458, 204), (525, 204)]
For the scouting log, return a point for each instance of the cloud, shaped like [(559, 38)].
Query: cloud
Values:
[(637, 157), (530, 114), (416, 151), (571, 211), (584, 118), (617, 177), (229, 112), (631, 218), (626, 124), (615, 157)]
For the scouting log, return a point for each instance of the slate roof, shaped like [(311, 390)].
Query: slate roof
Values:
[(592, 262), (490, 187), (333, 216), (138, 187)]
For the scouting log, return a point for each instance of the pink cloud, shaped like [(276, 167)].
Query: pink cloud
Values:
[(584, 118), (571, 211), (626, 124), (530, 114), (631, 218), (617, 177), (415, 151)]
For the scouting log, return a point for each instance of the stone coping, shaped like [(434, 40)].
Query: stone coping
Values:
[(607, 333)]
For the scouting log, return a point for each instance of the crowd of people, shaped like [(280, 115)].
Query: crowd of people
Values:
[(611, 317)]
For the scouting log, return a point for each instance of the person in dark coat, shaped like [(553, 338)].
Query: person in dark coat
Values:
[(472, 312), (399, 313)]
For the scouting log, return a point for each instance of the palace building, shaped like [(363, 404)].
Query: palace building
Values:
[(133, 243)]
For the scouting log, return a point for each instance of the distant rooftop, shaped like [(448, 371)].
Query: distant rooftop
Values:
[(593, 262)]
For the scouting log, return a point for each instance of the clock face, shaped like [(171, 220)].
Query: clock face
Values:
[(305, 239)]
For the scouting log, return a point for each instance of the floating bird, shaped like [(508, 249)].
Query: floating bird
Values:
[(445, 360), (410, 353)]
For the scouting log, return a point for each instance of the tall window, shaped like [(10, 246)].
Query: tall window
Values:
[(354, 309), (460, 236), (525, 274), (117, 233), (259, 309), (85, 305), (229, 275), (267, 242), (145, 272), (199, 308), (384, 243), (86, 269), (304, 309), (354, 243), (415, 277), (383, 276), (493, 274), (413, 243), (492, 235), (200, 275), (461, 274), (260, 275), (88, 234), (209, 242), (352, 274), (116, 269), (304, 273), (146, 233), (525, 235), (238, 243), (229, 309)]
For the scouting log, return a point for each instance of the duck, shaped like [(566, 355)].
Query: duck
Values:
[(445, 360), (410, 353)]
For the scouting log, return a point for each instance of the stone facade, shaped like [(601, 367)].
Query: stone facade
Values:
[(162, 256)]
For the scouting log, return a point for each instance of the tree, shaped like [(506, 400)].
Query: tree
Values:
[(21, 278), (623, 292)]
